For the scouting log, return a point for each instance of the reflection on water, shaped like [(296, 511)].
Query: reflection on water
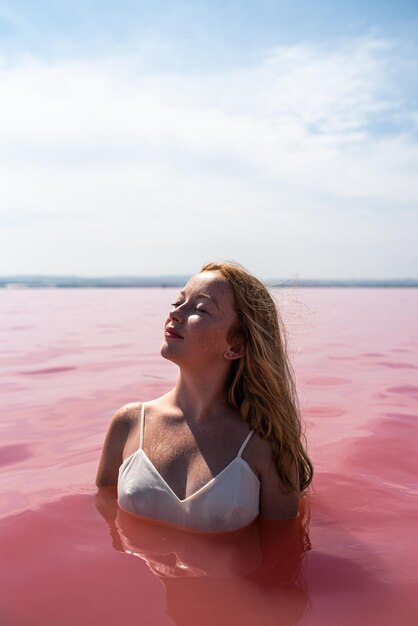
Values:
[(174, 554), (235, 576)]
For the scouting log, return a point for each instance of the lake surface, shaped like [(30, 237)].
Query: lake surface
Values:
[(71, 357)]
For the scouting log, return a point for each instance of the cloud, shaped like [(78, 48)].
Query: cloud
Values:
[(292, 137)]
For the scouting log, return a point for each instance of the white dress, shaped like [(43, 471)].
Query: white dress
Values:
[(229, 501)]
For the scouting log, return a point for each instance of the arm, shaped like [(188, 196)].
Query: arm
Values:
[(275, 502), (114, 443)]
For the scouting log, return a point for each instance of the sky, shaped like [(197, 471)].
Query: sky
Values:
[(147, 138)]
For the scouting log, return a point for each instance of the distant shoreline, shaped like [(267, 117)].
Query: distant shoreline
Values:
[(132, 282)]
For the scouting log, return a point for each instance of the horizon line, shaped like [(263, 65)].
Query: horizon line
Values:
[(37, 281)]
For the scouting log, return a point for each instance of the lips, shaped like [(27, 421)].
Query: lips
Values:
[(170, 332)]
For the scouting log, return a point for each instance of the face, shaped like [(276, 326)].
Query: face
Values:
[(202, 314)]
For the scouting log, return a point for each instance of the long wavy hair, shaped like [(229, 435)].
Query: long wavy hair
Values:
[(261, 384)]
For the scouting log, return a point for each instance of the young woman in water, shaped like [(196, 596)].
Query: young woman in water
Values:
[(225, 445)]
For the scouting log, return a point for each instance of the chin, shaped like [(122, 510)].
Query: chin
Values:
[(166, 353), (168, 357)]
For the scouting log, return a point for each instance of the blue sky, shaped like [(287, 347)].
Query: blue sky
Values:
[(149, 138)]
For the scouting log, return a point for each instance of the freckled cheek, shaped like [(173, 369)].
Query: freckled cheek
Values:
[(206, 334), (196, 328)]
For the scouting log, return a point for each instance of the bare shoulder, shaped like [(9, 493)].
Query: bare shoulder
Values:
[(122, 422), (275, 501), (126, 414)]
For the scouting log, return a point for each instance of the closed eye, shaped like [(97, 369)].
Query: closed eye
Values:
[(195, 308)]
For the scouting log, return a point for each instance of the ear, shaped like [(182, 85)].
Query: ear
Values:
[(235, 351)]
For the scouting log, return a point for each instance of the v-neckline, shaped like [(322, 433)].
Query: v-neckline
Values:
[(201, 489), (206, 485)]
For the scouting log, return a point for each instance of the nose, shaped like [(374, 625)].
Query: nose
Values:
[(175, 314)]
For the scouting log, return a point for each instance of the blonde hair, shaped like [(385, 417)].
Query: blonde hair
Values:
[(261, 383)]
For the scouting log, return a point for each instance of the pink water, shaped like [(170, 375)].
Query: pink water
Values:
[(70, 358)]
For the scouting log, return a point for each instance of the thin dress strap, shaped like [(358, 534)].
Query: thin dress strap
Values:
[(141, 427), (241, 450)]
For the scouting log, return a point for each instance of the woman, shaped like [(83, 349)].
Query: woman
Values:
[(224, 446)]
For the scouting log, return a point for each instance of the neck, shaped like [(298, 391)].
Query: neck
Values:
[(200, 396)]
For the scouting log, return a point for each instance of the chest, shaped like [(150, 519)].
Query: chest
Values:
[(185, 460)]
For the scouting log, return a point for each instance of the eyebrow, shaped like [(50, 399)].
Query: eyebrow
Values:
[(205, 295)]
